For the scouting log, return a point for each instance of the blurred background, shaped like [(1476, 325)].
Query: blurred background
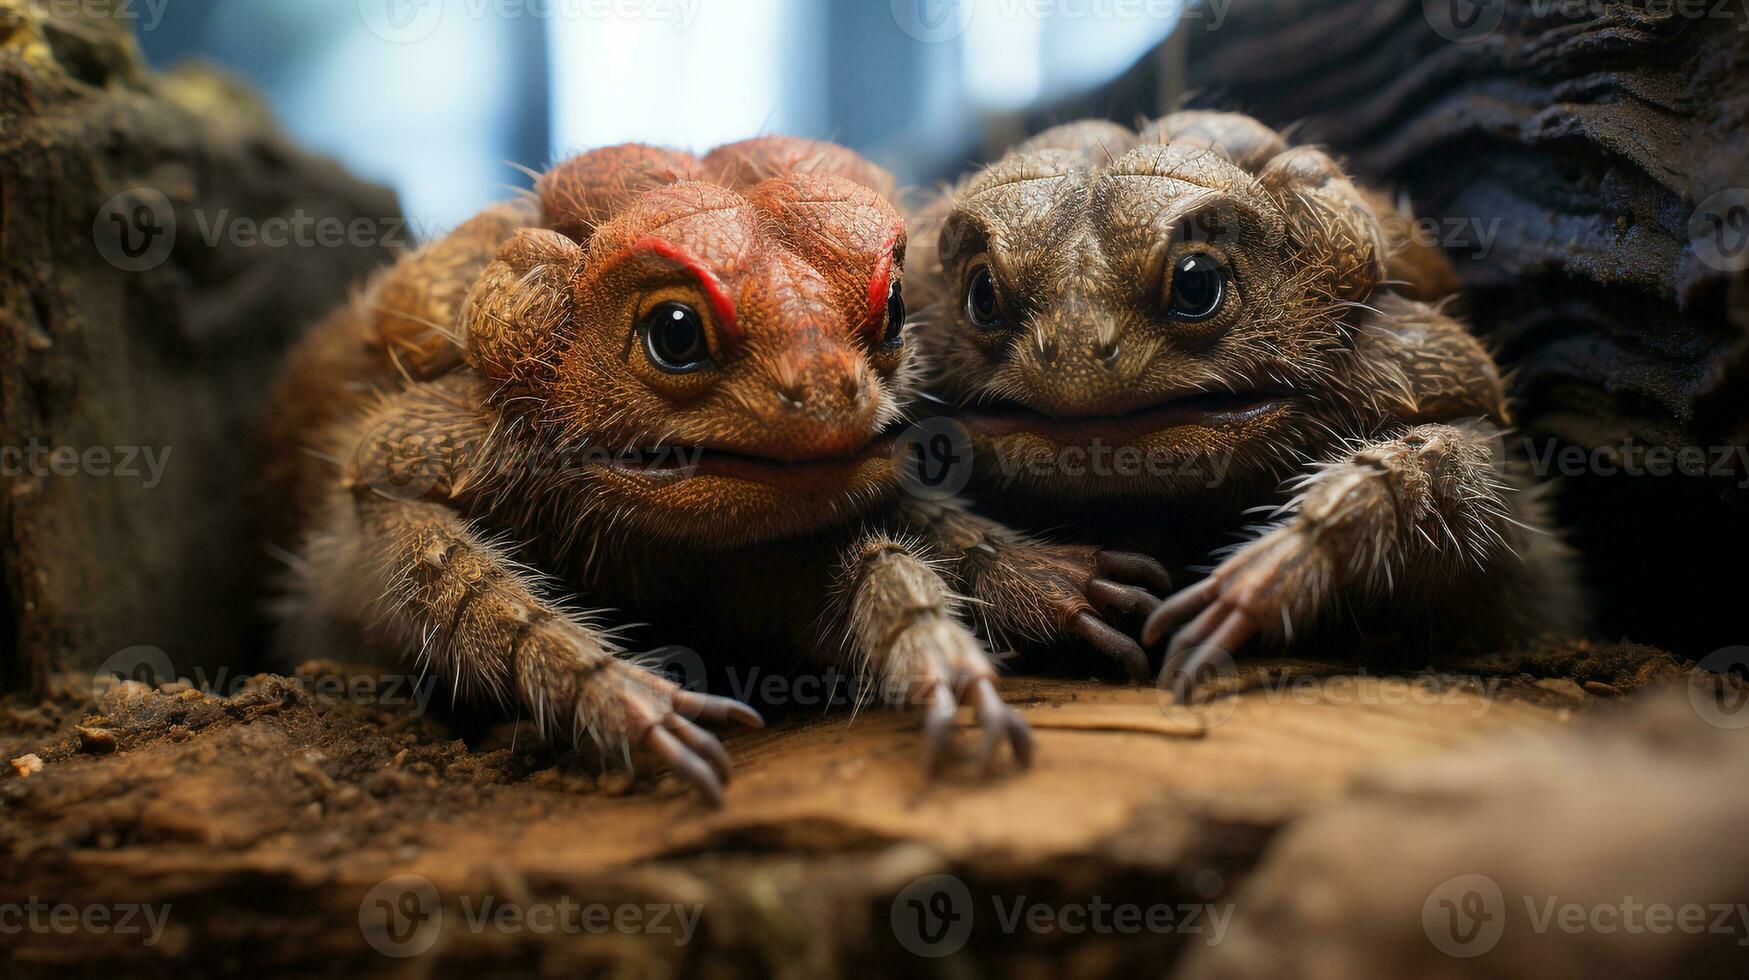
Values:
[(439, 98)]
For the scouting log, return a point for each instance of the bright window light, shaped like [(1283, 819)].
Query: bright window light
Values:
[(1001, 67), (683, 74)]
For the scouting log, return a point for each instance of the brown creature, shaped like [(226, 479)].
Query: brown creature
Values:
[(661, 385), (1221, 320)]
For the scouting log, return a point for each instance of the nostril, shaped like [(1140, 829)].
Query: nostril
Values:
[(793, 394), (1109, 351), (851, 385), (1045, 345)]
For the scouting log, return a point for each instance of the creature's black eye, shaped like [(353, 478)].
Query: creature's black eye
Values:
[(895, 316), (674, 338), (1199, 286), (982, 305)]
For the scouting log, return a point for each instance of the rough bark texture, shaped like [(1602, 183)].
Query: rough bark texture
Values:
[(162, 354), (1563, 152), (264, 819)]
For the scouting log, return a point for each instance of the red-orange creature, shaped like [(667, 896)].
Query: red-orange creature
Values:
[(664, 387)]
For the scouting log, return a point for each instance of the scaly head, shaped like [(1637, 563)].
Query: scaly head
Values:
[(1171, 295), (727, 327)]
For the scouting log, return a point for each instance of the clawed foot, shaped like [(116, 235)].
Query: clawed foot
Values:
[(695, 755), (998, 721), (1110, 587), (1256, 591), (657, 716), (954, 672)]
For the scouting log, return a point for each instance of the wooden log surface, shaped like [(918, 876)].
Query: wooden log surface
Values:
[(264, 817)]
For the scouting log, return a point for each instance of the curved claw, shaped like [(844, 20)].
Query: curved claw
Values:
[(1179, 608), (701, 742), (998, 719), (1108, 595), (687, 765), (1130, 566), (1213, 635), (1111, 642), (938, 728), (716, 710)]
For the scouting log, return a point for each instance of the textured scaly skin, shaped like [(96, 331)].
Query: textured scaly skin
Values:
[(440, 448), (1363, 422)]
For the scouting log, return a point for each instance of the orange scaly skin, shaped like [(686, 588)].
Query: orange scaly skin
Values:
[(1070, 303), (660, 387)]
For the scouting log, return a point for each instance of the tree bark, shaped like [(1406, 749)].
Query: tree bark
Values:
[(145, 300)]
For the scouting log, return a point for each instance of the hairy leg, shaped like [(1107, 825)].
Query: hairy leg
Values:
[(1032, 590), (437, 587), (904, 628), (1425, 516)]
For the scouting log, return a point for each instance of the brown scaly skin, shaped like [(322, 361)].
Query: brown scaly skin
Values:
[(1362, 420), (444, 442)]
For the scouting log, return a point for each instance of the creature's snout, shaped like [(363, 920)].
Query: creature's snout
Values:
[(823, 401)]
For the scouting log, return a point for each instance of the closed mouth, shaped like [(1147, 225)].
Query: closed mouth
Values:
[(1213, 409), (681, 462)]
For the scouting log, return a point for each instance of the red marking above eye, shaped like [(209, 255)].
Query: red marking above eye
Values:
[(722, 307), (879, 288)]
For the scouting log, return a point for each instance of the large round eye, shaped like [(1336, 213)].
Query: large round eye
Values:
[(1199, 286), (895, 315), (674, 338), (983, 307)]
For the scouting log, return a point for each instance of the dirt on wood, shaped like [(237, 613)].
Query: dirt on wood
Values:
[(262, 817)]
